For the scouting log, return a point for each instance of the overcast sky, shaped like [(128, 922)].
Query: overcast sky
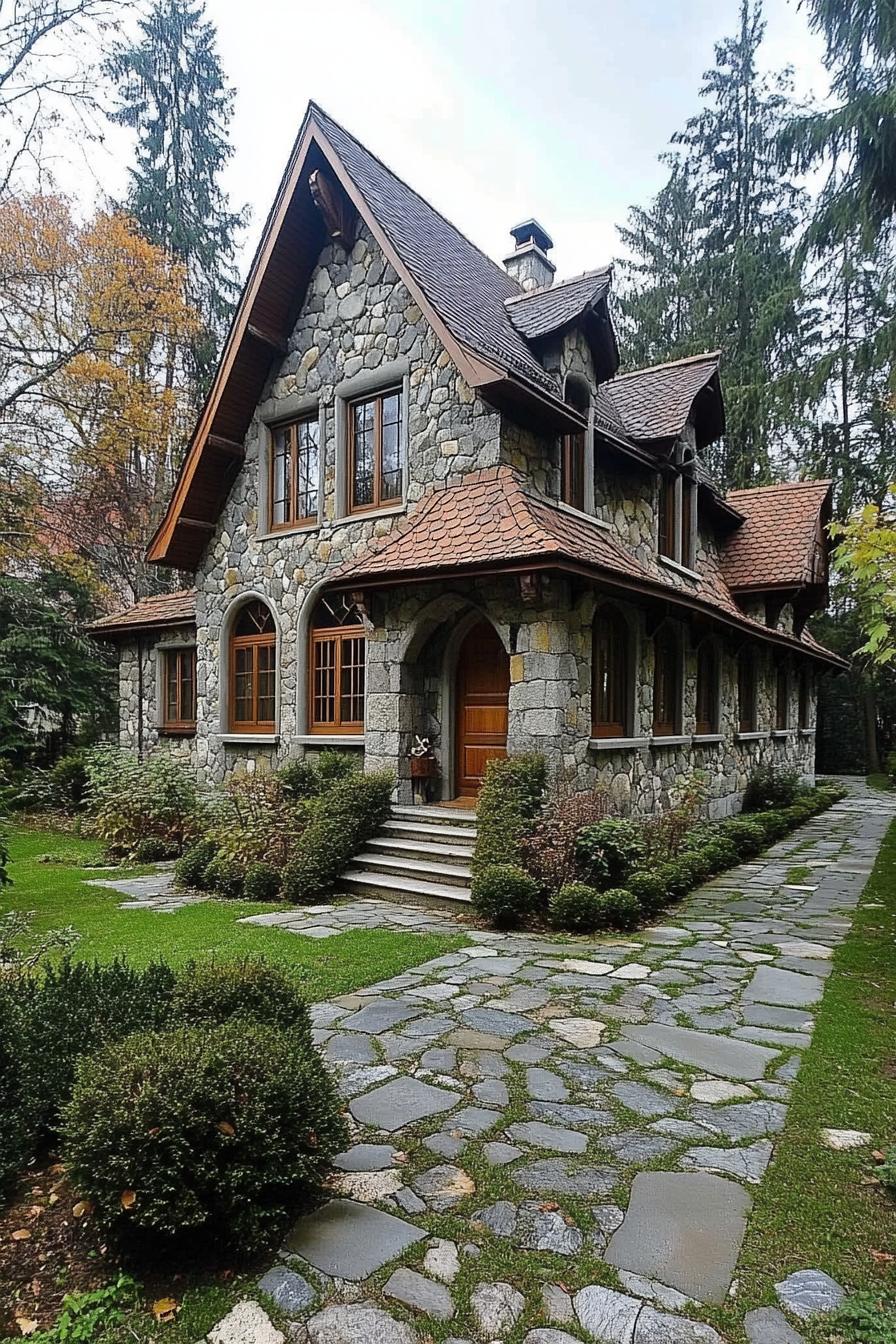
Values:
[(494, 110)]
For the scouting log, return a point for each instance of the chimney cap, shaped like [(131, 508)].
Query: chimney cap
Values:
[(530, 231)]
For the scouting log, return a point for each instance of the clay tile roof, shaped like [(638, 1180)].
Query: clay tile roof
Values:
[(150, 613), (467, 288), (778, 541), (542, 311), (655, 403)]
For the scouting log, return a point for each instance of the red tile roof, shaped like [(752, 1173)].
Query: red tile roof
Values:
[(778, 542), (150, 613), (655, 403)]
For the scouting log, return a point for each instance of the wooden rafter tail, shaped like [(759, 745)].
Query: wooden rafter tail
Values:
[(339, 215)]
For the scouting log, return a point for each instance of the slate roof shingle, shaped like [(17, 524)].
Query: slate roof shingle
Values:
[(540, 312), (164, 609), (655, 403), (777, 543)]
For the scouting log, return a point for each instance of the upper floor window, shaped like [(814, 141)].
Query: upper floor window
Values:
[(375, 454), (805, 692), (179, 683), (782, 697), (295, 473), (677, 513), (572, 471), (337, 672), (253, 655), (707, 689), (666, 683), (610, 663), (746, 692), (666, 520)]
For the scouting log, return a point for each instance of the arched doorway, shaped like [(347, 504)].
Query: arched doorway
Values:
[(481, 690)]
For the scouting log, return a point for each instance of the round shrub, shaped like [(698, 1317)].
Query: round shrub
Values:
[(202, 1135), (505, 895), (191, 867), (154, 849), (745, 834), (620, 909), (215, 992), (576, 908), (649, 890), (608, 851), (677, 878), (224, 878), (720, 853), (774, 824), (262, 883)]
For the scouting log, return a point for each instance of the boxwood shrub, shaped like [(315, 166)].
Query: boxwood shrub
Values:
[(649, 889), (745, 834), (579, 908), (224, 877), (510, 799), (191, 868), (261, 883), (202, 1135), (343, 819), (770, 787), (215, 992), (608, 851), (505, 895)]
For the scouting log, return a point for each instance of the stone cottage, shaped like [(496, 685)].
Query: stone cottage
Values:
[(421, 500)]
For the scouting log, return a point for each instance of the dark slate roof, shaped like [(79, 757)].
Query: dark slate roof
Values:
[(150, 613), (467, 289), (655, 403), (542, 311)]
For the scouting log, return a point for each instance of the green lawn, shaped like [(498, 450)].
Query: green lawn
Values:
[(882, 782), (59, 896), (817, 1208)]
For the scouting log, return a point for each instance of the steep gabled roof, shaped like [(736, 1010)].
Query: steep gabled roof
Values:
[(150, 613), (657, 402), (460, 291), (781, 543), (541, 312), (490, 523)]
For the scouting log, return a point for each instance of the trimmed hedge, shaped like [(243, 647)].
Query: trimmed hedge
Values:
[(505, 894), (579, 908), (343, 819), (511, 797), (215, 992), (203, 1135)]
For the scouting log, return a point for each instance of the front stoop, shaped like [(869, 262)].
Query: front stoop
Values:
[(421, 857)]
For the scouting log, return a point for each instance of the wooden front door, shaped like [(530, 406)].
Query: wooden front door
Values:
[(483, 683)]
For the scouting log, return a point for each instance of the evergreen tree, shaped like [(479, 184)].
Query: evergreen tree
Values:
[(174, 95)]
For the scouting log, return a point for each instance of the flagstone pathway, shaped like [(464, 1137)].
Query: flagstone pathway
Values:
[(536, 1113)]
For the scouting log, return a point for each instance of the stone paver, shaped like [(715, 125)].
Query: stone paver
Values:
[(554, 1070)]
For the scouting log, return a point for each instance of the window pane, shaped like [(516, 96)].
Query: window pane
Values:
[(323, 698), (307, 468), (265, 683), (392, 465), (188, 687), (666, 544), (280, 494), (665, 686), (362, 484), (706, 690), (572, 486), (351, 681), (171, 688), (242, 685)]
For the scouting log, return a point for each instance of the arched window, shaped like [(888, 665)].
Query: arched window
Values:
[(746, 692), (782, 697), (707, 689), (666, 683), (253, 670), (336, 675), (610, 663)]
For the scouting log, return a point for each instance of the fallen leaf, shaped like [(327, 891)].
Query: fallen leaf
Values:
[(26, 1326), (165, 1308), (882, 1257), (82, 1208), (549, 1206), (225, 1127), (128, 1199), (878, 1155), (54, 1198), (21, 1234)]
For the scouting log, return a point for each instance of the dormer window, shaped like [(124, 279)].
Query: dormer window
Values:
[(574, 447), (677, 512)]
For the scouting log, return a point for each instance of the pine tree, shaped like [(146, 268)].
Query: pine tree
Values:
[(174, 95)]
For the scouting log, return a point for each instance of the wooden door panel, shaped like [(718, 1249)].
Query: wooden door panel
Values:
[(483, 684)]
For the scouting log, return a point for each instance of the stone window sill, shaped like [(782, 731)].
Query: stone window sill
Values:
[(363, 514), (583, 513), (302, 529), (250, 739), (684, 570), (707, 739), (169, 730), (673, 740), (807, 732), (618, 743), (329, 740), (782, 732), (751, 737)]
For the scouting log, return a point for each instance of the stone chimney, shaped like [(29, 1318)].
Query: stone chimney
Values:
[(528, 263)]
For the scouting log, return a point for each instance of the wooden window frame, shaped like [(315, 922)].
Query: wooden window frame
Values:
[(377, 398), (254, 643), (782, 697), (666, 639), (291, 428), (179, 722), (805, 699), (707, 669), (573, 453), (618, 683), (337, 636), (747, 680), (666, 524)]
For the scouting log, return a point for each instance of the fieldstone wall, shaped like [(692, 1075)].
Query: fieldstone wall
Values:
[(140, 697)]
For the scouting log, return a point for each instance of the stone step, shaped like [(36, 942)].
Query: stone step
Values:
[(401, 868), (421, 849), (436, 816), (407, 891), (431, 835)]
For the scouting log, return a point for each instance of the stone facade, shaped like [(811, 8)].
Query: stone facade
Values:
[(360, 330)]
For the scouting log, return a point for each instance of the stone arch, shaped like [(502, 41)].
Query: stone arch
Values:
[(236, 604)]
